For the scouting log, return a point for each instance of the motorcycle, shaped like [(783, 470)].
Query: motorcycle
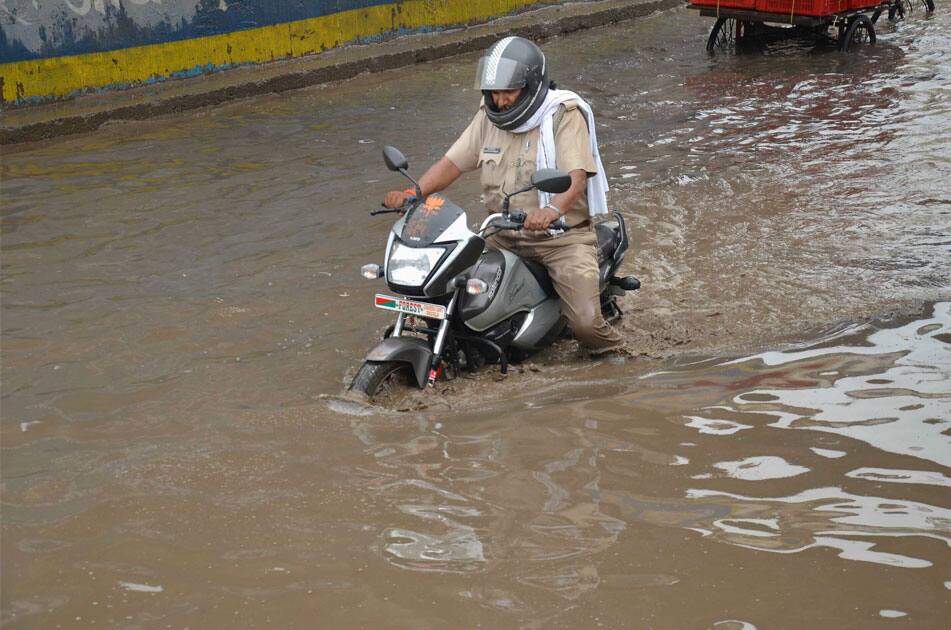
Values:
[(460, 306)]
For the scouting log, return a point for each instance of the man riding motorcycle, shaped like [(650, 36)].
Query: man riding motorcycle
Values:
[(525, 124)]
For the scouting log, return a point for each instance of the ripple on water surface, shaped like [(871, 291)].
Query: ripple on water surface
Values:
[(798, 465), (881, 396)]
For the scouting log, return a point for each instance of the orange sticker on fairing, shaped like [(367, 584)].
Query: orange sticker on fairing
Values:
[(432, 204)]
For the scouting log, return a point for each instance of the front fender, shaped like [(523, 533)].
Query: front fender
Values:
[(412, 350)]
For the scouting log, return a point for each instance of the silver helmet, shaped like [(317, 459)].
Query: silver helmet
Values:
[(512, 63)]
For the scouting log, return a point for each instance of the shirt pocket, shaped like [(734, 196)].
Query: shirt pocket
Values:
[(490, 157), (490, 166), (524, 169)]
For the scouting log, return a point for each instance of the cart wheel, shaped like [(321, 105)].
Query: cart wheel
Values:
[(859, 31), (900, 9), (903, 8), (726, 32)]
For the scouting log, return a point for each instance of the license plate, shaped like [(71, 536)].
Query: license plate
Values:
[(412, 307)]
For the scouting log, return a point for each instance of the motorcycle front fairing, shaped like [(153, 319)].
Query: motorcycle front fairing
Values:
[(429, 247), (427, 250)]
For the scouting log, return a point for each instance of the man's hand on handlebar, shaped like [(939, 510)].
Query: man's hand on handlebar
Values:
[(539, 219), (398, 198)]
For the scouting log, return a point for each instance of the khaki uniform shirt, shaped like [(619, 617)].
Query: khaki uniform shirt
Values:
[(507, 160)]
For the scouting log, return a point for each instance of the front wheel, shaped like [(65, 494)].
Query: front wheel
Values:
[(380, 379)]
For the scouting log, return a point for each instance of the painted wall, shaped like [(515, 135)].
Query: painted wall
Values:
[(60, 48)]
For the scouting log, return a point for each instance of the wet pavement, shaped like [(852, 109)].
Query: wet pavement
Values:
[(182, 308)]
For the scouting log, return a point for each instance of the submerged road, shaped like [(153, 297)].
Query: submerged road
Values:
[(182, 307)]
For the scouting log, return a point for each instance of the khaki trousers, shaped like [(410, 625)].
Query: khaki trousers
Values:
[(572, 263)]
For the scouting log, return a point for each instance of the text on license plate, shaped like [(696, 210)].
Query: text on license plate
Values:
[(423, 309)]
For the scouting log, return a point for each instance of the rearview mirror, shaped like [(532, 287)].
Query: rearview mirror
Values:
[(395, 160), (551, 180)]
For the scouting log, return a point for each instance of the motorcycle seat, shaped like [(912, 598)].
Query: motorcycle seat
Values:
[(541, 275)]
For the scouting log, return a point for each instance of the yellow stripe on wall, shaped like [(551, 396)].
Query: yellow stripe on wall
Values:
[(58, 77)]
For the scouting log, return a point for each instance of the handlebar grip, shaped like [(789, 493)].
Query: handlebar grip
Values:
[(517, 218)]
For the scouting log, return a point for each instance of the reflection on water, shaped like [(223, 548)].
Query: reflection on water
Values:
[(465, 506), (891, 388), (758, 468), (547, 496), (888, 388), (826, 517)]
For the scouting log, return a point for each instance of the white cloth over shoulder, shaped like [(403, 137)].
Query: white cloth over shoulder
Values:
[(543, 118)]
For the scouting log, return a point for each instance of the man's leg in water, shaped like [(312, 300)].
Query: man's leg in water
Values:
[(572, 263)]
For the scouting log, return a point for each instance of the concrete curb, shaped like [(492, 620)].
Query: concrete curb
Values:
[(81, 115)]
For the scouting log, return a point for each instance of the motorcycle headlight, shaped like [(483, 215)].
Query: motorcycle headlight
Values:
[(410, 266)]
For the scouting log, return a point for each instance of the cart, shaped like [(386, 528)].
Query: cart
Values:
[(844, 23)]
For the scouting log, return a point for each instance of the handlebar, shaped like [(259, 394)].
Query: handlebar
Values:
[(558, 224), (516, 220), (410, 201), (385, 210)]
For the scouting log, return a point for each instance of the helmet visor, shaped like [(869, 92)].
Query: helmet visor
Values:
[(500, 74)]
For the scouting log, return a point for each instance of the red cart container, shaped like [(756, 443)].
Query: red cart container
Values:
[(814, 8), (726, 4)]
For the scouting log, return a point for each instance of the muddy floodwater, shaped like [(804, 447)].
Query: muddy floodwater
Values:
[(182, 309)]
